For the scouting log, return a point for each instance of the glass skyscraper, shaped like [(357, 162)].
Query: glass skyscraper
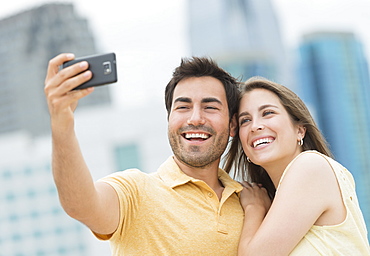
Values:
[(334, 82), (243, 36), (32, 222), (28, 40)]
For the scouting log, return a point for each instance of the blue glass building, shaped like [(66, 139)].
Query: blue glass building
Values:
[(334, 83), (243, 36)]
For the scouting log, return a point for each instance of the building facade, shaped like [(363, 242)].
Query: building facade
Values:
[(242, 35), (334, 82), (32, 221), (28, 40)]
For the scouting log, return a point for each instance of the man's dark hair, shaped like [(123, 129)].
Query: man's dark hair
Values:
[(200, 67)]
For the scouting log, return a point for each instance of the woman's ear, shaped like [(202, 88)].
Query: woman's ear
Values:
[(301, 132), (233, 126)]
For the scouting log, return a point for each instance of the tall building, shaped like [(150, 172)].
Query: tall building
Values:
[(32, 222), (28, 41), (335, 84), (242, 35)]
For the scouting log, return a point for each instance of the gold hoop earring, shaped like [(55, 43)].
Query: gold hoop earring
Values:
[(249, 161), (300, 143)]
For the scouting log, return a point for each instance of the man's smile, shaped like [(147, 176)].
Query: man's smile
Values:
[(196, 135)]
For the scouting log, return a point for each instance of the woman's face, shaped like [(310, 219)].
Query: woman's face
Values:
[(267, 133)]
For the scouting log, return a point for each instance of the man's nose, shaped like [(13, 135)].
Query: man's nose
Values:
[(196, 117)]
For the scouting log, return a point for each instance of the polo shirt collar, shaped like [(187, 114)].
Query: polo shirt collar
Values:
[(227, 181), (172, 175)]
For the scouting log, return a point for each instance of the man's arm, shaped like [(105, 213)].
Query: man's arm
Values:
[(80, 197)]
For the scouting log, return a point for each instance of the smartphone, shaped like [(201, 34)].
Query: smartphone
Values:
[(102, 66)]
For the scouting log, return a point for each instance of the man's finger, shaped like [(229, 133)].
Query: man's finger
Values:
[(55, 62)]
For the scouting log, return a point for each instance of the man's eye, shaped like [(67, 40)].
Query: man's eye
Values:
[(210, 107), (181, 107)]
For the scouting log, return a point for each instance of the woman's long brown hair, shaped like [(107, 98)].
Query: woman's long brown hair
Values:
[(235, 160)]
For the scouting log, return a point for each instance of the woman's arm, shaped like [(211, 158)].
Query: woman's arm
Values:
[(256, 203), (309, 194)]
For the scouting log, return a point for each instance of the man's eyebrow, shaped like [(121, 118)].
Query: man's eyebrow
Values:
[(204, 100), (183, 99), (211, 99)]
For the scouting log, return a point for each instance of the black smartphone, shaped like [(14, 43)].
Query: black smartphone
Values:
[(102, 66)]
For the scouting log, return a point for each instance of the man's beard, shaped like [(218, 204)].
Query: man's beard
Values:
[(196, 156)]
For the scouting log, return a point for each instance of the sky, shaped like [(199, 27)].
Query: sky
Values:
[(150, 37)]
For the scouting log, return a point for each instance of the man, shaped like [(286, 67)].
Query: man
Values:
[(189, 206)]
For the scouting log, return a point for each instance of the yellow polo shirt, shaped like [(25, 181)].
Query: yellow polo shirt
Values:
[(170, 213)]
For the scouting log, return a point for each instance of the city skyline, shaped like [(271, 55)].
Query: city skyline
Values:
[(150, 41)]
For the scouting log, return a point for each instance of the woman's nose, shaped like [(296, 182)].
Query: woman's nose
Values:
[(257, 125)]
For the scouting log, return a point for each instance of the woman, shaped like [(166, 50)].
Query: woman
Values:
[(314, 209)]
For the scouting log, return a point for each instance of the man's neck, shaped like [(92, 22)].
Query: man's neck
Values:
[(208, 174)]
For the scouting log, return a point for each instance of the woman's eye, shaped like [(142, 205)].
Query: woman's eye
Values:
[(244, 120), (268, 112)]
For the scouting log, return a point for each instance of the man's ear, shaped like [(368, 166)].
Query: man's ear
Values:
[(233, 126)]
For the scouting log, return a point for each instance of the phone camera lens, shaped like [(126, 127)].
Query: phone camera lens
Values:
[(107, 68)]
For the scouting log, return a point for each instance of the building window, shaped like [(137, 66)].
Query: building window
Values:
[(127, 156), (10, 197), (7, 174)]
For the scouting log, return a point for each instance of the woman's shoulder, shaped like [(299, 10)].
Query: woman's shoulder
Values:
[(307, 166), (311, 159), (312, 154)]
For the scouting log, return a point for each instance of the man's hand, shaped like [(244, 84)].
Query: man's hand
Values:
[(58, 85), (78, 195)]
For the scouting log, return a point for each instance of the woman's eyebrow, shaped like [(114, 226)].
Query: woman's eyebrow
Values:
[(267, 106), (245, 113)]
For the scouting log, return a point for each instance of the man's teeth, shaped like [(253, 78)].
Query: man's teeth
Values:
[(196, 136), (262, 141)]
